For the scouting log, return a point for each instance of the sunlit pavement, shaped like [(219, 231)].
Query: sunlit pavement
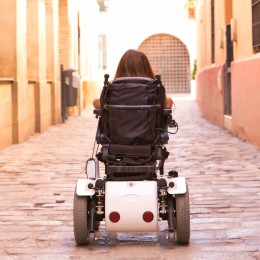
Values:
[(38, 177)]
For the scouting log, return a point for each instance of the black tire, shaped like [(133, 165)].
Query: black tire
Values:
[(182, 212), (80, 219)]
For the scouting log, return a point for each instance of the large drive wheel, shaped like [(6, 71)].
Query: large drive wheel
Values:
[(80, 219), (182, 208)]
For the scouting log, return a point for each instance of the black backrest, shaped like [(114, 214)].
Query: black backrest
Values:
[(131, 110)]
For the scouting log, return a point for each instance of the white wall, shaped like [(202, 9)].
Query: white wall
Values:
[(128, 23)]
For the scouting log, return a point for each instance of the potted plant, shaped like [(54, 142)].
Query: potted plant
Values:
[(190, 5)]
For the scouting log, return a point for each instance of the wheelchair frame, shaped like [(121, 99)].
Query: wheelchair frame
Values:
[(131, 205)]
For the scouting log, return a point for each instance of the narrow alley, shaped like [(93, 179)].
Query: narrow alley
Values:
[(38, 178)]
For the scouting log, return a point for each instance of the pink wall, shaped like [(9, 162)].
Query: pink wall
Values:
[(246, 99), (209, 97)]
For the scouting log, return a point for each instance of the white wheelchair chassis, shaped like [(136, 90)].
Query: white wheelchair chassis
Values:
[(131, 206)]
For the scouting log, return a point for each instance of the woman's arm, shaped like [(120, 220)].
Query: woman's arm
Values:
[(168, 102), (96, 103)]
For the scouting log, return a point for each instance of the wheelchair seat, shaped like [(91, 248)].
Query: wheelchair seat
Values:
[(132, 128)]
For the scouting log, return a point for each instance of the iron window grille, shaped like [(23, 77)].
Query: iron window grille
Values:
[(256, 24), (212, 32)]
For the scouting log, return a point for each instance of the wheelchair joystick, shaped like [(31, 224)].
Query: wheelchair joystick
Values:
[(173, 173), (106, 76), (158, 76)]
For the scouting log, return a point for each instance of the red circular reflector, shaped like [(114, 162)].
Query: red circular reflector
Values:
[(148, 216), (114, 216)]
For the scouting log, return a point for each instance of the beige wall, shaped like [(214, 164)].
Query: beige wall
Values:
[(203, 14), (63, 33), (8, 39), (31, 107), (30, 83), (243, 17), (50, 29), (21, 44), (82, 53), (19, 91), (32, 40), (220, 27), (225, 11), (6, 124), (52, 57)]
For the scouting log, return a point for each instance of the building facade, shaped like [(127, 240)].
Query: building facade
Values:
[(42, 39), (161, 29), (228, 65), (36, 38)]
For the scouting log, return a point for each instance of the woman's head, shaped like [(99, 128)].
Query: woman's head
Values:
[(134, 63)]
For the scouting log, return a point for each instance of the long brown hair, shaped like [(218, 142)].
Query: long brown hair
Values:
[(134, 63)]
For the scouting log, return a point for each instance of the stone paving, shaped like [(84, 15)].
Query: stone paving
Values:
[(38, 177)]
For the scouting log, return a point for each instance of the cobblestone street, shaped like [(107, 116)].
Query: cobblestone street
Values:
[(38, 177)]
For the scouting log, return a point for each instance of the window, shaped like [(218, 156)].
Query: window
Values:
[(256, 24), (212, 32), (102, 52)]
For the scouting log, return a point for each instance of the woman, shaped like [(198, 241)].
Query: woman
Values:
[(134, 63)]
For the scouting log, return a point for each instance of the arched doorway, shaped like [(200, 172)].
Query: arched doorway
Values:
[(169, 57)]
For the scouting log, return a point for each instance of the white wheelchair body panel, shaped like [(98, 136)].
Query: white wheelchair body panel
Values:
[(83, 189), (179, 185), (131, 199)]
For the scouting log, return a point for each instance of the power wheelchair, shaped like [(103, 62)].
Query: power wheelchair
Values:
[(133, 193)]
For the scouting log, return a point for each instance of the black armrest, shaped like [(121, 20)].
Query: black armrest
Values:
[(97, 112), (167, 111)]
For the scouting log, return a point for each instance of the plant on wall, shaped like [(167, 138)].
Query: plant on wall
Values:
[(194, 70), (190, 6), (191, 3)]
